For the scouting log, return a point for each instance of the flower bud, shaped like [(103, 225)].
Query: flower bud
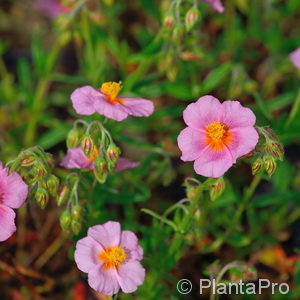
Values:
[(169, 21), (63, 195), (41, 197), (76, 212), (113, 153), (39, 170), (217, 188), (76, 226), (65, 220), (52, 184), (269, 164), (73, 138), (87, 145), (275, 149), (28, 159), (191, 17), (257, 165)]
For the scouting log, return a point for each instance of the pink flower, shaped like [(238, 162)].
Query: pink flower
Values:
[(76, 159), (52, 8), (215, 4), (217, 134), (111, 258), (105, 101), (13, 193), (295, 58)]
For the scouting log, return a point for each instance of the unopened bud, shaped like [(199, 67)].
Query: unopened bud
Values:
[(41, 197), (64, 194), (257, 166), (113, 153), (169, 21), (217, 188), (52, 184), (76, 212), (275, 149), (73, 138), (191, 18), (87, 145), (40, 170), (65, 220), (269, 164), (28, 159), (76, 226)]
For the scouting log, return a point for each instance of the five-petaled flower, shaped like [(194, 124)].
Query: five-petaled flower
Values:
[(111, 258), (105, 101), (13, 193), (215, 4), (295, 58), (76, 159), (217, 134)]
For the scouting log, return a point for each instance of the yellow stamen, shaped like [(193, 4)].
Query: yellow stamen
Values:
[(111, 89), (218, 135), (94, 154), (112, 257)]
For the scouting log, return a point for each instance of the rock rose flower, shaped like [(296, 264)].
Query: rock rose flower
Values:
[(76, 159), (215, 4), (13, 193), (111, 258), (217, 135), (105, 101), (295, 58)]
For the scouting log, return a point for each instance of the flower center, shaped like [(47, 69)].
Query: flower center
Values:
[(111, 90), (94, 154), (112, 257), (218, 135)]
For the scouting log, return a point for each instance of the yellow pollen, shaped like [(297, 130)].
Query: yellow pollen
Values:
[(94, 154), (216, 130), (111, 89), (112, 257)]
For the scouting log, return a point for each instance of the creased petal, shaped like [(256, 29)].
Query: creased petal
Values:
[(203, 112), (86, 254), (124, 163), (84, 99), (235, 115), (213, 163), (244, 140), (7, 222), (15, 192), (130, 276), (191, 142), (108, 234), (76, 159), (129, 242), (138, 107), (104, 281)]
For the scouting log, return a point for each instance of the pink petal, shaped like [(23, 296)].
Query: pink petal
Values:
[(203, 112), (138, 107), (129, 242), (15, 192), (191, 142), (104, 281), (130, 276), (86, 254), (213, 163), (215, 4), (76, 159), (244, 141), (108, 234), (7, 222), (124, 163), (84, 100), (111, 111), (295, 58), (235, 115)]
